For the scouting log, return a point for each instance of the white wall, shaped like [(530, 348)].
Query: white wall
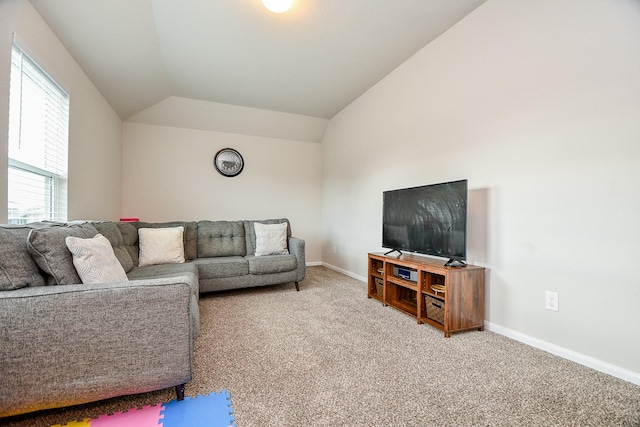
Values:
[(169, 175), (95, 131), (538, 105)]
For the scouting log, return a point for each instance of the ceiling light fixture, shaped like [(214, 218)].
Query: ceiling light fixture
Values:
[(277, 6)]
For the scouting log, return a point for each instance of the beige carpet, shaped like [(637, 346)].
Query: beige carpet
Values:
[(328, 356)]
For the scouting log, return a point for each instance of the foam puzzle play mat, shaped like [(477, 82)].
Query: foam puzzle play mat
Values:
[(211, 410)]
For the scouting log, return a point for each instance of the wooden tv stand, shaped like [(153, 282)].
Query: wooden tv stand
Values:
[(460, 307)]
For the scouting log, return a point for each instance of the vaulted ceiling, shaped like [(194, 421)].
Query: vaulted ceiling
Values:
[(313, 60)]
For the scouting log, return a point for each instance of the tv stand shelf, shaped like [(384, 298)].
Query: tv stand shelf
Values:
[(459, 308)]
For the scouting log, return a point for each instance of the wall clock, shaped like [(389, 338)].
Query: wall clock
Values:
[(228, 162)]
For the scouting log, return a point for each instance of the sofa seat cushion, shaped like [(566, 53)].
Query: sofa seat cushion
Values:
[(162, 270), (213, 268), (271, 264)]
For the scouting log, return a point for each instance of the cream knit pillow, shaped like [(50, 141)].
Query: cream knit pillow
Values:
[(271, 239), (161, 245)]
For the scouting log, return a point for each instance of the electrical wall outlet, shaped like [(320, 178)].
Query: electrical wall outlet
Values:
[(551, 301)]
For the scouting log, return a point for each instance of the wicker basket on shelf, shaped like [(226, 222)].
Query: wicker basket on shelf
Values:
[(379, 286), (435, 308)]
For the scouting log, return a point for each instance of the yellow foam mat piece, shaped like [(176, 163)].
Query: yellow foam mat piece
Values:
[(84, 423)]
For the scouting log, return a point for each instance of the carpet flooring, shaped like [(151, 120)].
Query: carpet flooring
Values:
[(328, 356)]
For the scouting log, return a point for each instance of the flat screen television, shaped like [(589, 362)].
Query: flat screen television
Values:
[(430, 220)]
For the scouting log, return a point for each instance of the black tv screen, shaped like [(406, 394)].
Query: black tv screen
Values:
[(430, 220)]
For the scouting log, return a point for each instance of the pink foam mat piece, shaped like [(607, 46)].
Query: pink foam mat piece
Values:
[(148, 416)]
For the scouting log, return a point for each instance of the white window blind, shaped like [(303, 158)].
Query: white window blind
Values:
[(38, 140)]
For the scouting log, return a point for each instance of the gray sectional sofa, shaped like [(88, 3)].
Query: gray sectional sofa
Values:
[(64, 343)]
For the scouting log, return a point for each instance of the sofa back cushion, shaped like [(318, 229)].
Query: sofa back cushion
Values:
[(48, 248), (190, 235), (111, 231), (130, 240), (250, 232), (17, 268), (129, 231), (221, 238)]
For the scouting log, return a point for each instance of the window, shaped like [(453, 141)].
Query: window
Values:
[(38, 139)]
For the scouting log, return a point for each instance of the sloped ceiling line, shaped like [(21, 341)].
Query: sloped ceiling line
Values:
[(312, 61)]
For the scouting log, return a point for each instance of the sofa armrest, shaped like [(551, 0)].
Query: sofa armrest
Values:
[(72, 344), (296, 247)]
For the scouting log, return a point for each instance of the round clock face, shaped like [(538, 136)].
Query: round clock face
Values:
[(228, 162)]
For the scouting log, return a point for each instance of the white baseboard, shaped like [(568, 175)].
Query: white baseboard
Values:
[(598, 365), (345, 272)]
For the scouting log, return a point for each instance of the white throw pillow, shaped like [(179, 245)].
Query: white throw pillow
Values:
[(161, 246), (271, 239), (94, 260)]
